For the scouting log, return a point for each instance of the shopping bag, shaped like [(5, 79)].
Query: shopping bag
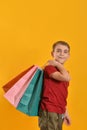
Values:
[(34, 104), (29, 103), (14, 94), (10, 84)]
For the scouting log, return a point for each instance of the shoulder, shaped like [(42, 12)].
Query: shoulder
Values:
[(50, 69), (47, 67)]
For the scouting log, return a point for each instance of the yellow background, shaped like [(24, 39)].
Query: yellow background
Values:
[(28, 28)]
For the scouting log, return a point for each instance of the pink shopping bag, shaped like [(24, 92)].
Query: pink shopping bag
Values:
[(14, 94), (11, 83)]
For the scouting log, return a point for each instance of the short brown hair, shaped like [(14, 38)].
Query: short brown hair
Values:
[(60, 43)]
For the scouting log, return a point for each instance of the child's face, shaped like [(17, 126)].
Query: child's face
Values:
[(61, 53)]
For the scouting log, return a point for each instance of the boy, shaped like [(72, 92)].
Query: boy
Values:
[(53, 109)]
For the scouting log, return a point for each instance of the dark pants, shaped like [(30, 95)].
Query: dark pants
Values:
[(50, 120)]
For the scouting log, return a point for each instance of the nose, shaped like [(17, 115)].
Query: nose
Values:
[(61, 53)]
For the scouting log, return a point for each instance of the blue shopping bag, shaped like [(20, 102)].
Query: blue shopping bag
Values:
[(29, 103)]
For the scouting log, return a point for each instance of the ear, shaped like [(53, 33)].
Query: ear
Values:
[(52, 53)]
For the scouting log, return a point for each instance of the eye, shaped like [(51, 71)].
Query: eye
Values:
[(58, 50), (65, 51)]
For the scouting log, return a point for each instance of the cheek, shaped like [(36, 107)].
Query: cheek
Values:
[(53, 54), (56, 55), (67, 56)]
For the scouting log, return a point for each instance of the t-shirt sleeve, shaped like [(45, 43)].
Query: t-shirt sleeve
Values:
[(50, 69)]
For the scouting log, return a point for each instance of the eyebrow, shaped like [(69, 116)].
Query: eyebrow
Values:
[(58, 49), (61, 49)]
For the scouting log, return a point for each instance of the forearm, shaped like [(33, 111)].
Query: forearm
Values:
[(58, 65), (59, 76), (62, 74), (61, 68), (63, 71)]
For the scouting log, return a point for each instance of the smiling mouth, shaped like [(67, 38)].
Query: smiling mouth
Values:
[(61, 57)]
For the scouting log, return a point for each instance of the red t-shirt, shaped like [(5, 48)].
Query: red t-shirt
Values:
[(54, 92)]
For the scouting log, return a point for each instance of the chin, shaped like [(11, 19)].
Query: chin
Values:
[(61, 62)]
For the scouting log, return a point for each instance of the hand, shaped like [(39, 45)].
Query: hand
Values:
[(53, 62), (67, 119), (50, 62)]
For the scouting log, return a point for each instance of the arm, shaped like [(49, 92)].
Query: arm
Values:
[(62, 74), (67, 120)]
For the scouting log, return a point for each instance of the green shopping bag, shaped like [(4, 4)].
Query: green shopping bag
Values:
[(29, 103), (36, 97)]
